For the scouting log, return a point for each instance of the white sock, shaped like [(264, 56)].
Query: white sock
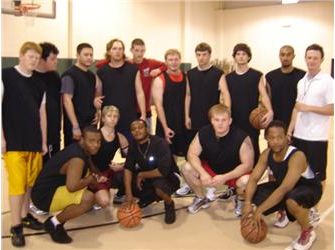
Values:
[(55, 221)]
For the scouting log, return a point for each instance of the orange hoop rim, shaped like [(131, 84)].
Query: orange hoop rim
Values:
[(25, 7)]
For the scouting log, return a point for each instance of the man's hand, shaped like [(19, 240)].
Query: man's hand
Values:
[(169, 134), (206, 179), (3, 146), (188, 123), (155, 72), (219, 180), (139, 181), (267, 118), (247, 209), (76, 133), (98, 102), (44, 149)]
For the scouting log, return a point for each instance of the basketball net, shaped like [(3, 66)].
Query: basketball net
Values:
[(29, 12)]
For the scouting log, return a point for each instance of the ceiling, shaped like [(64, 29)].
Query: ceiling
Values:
[(231, 4)]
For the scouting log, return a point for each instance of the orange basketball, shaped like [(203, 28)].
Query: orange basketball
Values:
[(256, 116), (251, 231), (129, 215)]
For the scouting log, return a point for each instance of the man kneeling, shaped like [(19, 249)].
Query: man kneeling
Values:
[(61, 185), (218, 155)]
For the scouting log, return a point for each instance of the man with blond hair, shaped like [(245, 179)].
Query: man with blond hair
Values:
[(24, 137)]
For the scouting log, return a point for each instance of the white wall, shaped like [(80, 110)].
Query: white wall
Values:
[(266, 29)]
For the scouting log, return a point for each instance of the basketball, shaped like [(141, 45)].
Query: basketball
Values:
[(129, 215), (251, 231), (256, 116)]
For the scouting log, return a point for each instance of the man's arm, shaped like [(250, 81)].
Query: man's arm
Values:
[(188, 122), (43, 124), (224, 92), (98, 93), (156, 67), (3, 138), (268, 117), (323, 110), (246, 154), (291, 126), (157, 92), (296, 165), (140, 95), (74, 170)]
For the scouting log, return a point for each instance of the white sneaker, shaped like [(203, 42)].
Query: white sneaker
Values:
[(35, 210), (239, 204), (314, 217), (210, 195), (184, 190), (306, 239), (282, 219), (197, 204), (96, 207)]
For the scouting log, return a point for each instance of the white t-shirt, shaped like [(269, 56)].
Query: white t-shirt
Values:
[(316, 91)]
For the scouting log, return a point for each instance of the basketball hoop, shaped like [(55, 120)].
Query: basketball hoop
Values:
[(26, 9)]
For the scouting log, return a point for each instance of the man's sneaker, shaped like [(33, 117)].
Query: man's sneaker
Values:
[(57, 233), (184, 190), (210, 195), (31, 222), (197, 204), (119, 199), (314, 217), (35, 210), (282, 220), (238, 207), (306, 239), (170, 213), (228, 194), (16, 236)]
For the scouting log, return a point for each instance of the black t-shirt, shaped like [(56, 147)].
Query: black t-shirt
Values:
[(244, 95), (204, 88), (118, 87), (50, 177), (151, 155), (222, 154), (53, 107), (284, 92), (22, 98)]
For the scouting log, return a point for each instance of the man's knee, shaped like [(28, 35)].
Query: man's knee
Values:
[(88, 198)]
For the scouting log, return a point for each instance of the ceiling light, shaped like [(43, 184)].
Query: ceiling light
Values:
[(289, 1)]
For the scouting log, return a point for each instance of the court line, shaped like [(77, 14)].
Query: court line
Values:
[(322, 218), (93, 226)]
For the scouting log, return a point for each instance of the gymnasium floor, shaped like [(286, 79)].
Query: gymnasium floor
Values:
[(212, 228)]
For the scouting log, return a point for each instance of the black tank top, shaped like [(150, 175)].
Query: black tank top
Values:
[(222, 154), (204, 88), (118, 87), (174, 105), (244, 95), (106, 153)]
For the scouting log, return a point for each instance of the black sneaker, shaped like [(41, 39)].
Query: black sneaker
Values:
[(17, 237), (119, 199), (170, 213), (58, 233), (31, 222), (228, 194)]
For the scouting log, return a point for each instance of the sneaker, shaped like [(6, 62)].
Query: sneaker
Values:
[(282, 220), (197, 204), (228, 194), (314, 216), (170, 213), (238, 207), (57, 233), (96, 207), (35, 210), (210, 195), (31, 222), (119, 199), (17, 237), (306, 239), (184, 190)]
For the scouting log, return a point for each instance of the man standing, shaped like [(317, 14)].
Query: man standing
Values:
[(294, 187), (23, 136), (78, 89), (150, 170), (61, 185), (311, 114), (168, 93), (218, 155), (245, 86), (120, 85), (283, 83)]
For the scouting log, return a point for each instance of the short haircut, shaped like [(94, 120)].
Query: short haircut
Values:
[(218, 109), (203, 47), (110, 44), (90, 129), (139, 120), (137, 41), (110, 108), (242, 47), (30, 46), (317, 47), (287, 47), (47, 49), (275, 124), (172, 52), (82, 46)]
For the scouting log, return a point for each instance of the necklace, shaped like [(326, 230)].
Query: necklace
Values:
[(307, 85), (144, 154)]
